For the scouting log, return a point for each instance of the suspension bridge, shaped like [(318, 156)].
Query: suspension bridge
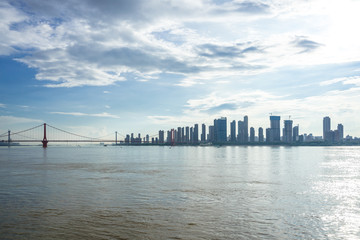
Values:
[(45, 133)]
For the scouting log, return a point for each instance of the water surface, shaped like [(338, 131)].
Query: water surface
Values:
[(155, 192)]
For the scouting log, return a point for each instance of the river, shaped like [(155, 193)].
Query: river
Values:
[(158, 192)]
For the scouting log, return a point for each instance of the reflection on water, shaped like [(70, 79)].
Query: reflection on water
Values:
[(180, 193)]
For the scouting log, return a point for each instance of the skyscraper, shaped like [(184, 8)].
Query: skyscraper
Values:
[(287, 137), (187, 134), (261, 134), (246, 129), (252, 134), (243, 132), (191, 135), (203, 133), (275, 128), (220, 130), (178, 135), (340, 135), (296, 133), (326, 128), (268, 135), (211, 134), (196, 133), (233, 131), (161, 136)]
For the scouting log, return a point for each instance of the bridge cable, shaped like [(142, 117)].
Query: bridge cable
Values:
[(74, 134)]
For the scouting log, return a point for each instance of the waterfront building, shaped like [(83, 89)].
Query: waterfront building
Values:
[(287, 133), (211, 134), (187, 134), (326, 128), (252, 134), (261, 134), (296, 133), (268, 133), (191, 135), (203, 133), (243, 133), (178, 135), (196, 133), (182, 134), (233, 131), (161, 137), (168, 137), (220, 131), (275, 128), (340, 135)]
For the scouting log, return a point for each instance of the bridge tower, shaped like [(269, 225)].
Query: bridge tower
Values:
[(45, 141), (9, 138)]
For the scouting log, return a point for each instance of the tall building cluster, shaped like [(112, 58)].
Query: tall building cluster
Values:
[(239, 133), (329, 135)]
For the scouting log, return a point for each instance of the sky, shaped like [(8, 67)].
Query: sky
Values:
[(96, 67)]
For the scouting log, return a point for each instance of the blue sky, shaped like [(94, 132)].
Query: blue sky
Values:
[(95, 67)]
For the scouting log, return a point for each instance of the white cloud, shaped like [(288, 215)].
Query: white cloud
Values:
[(2, 105), (83, 49), (104, 114), (345, 80)]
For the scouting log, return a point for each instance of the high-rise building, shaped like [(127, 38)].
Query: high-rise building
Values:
[(220, 133), (326, 128), (275, 128), (203, 132), (240, 136), (233, 131), (296, 133), (340, 134), (187, 134), (168, 137), (211, 134), (287, 135), (161, 136), (252, 134), (261, 134), (196, 133), (191, 135), (246, 130), (182, 134), (243, 132), (178, 136), (268, 135)]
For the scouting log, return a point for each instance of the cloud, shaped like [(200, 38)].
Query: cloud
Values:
[(354, 80), (244, 7), (252, 7), (100, 43), (104, 114), (305, 44), (220, 51), (225, 106), (15, 120), (2, 105)]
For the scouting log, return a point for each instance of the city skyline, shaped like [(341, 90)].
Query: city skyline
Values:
[(243, 134), (99, 67)]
